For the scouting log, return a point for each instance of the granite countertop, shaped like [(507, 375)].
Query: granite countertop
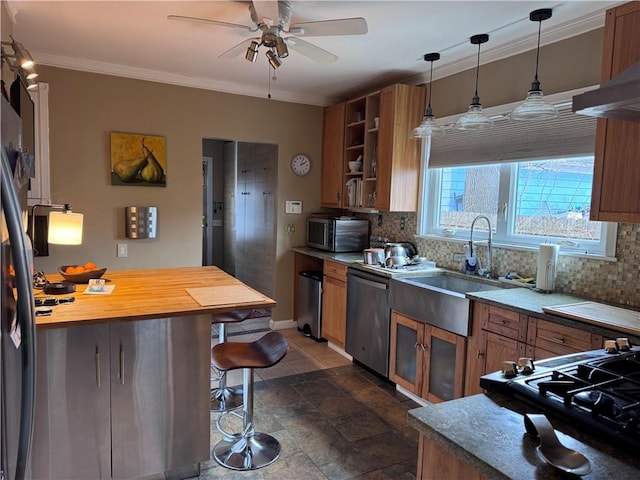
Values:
[(520, 299), (355, 260), (487, 432)]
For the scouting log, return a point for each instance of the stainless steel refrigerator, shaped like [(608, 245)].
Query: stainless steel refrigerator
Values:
[(17, 327)]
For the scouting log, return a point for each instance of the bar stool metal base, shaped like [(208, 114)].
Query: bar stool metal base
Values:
[(249, 453)]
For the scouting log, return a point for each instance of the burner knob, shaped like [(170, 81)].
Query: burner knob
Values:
[(610, 346), (623, 344), (509, 369)]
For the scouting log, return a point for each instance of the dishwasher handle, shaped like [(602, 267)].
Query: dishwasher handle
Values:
[(369, 283)]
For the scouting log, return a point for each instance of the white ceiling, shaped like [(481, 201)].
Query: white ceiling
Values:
[(135, 39)]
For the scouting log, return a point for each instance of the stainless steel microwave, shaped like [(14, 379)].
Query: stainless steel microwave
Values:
[(337, 234)]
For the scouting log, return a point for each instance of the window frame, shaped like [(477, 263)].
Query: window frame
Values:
[(429, 210)]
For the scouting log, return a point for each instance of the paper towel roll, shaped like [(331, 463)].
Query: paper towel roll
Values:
[(547, 261)]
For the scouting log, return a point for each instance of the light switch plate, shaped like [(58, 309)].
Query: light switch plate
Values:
[(293, 206), (122, 250)]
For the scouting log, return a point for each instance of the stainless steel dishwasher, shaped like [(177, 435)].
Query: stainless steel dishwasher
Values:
[(368, 320)]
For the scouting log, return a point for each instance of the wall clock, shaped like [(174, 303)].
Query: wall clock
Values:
[(300, 164)]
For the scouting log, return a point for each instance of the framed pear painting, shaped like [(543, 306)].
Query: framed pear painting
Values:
[(138, 159)]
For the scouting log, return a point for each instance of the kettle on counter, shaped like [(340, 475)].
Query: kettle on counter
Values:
[(398, 254)]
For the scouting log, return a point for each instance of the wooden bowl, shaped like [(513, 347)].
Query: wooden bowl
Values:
[(83, 277)]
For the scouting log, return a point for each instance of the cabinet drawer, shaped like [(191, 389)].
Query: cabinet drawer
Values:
[(559, 339), (507, 323), (335, 270)]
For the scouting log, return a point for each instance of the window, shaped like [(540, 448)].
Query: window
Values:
[(527, 203)]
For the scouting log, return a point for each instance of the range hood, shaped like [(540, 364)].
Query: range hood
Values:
[(619, 98)]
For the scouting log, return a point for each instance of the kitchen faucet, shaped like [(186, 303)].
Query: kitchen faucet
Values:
[(487, 270)]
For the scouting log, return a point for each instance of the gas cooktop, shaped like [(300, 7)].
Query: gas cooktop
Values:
[(595, 391)]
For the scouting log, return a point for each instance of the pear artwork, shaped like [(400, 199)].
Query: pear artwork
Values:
[(152, 172), (146, 168)]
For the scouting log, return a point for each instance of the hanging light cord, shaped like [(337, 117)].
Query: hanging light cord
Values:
[(536, 83), (430, 86), (476, 98)]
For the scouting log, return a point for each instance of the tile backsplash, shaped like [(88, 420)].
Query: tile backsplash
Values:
[(605, 281)]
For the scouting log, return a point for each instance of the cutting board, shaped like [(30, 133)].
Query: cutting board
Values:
[(224, 295), (616, 318)]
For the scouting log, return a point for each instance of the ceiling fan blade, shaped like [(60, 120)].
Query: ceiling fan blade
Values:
[(309, 50), (210, 22), (342, 26), (240, 48), (267, 11)]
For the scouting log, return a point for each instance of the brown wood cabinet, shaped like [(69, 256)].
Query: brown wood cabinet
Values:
[(426, 360), (616, 168), (398, 155), (499, 334), (547, 339), (434, 462), (334, 302), (376, 131), (332, 158)]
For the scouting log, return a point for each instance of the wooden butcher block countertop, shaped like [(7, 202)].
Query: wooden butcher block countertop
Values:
[(155, 293)]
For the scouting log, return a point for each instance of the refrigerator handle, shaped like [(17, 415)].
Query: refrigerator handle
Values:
[(97, 366), (21, 256), (121, 365)]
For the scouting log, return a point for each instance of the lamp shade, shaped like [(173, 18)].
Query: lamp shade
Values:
[(65, 228), (535, 107)]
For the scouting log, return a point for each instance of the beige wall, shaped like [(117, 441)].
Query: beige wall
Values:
[(567, 65), (86, 107)]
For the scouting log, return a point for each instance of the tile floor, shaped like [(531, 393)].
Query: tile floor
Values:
[(333, 419)]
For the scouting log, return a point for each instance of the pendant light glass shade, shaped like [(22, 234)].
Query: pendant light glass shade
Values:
[(429, 127), (475, 119), (535, 107)]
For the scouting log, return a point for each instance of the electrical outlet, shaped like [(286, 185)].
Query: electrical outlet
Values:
[(291, 229), (122, 250), (402, 223)]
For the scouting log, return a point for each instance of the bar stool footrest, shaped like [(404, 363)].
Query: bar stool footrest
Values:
[(227, 398), (249, 453)]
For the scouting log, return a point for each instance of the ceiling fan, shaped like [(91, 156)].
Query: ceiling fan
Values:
[(273, 19)]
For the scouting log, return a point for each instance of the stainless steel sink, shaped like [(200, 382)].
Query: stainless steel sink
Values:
[(452, 285), (438, 300)]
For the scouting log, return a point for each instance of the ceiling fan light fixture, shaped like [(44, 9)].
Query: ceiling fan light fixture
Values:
[(281, 48), (429, 127), (252, 52), (274, 61), (475, 119), (535, 107), (28, 74), (31, 84), (22, 55)]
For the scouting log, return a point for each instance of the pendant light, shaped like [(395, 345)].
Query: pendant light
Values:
[(429, 127), (535, 107), (474, 119)]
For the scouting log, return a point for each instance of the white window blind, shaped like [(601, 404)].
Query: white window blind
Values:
[(569, 135)]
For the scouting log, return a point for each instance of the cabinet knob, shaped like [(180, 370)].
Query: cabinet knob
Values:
[(479, 354), (559, 340)]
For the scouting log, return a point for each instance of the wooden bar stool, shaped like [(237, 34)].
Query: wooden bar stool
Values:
[(223, 397), (247, 450)]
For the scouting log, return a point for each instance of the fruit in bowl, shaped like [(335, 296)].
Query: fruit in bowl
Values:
[(81, 273)]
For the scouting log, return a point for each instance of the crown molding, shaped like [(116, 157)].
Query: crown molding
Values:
[(12, 10), (104, 68)]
